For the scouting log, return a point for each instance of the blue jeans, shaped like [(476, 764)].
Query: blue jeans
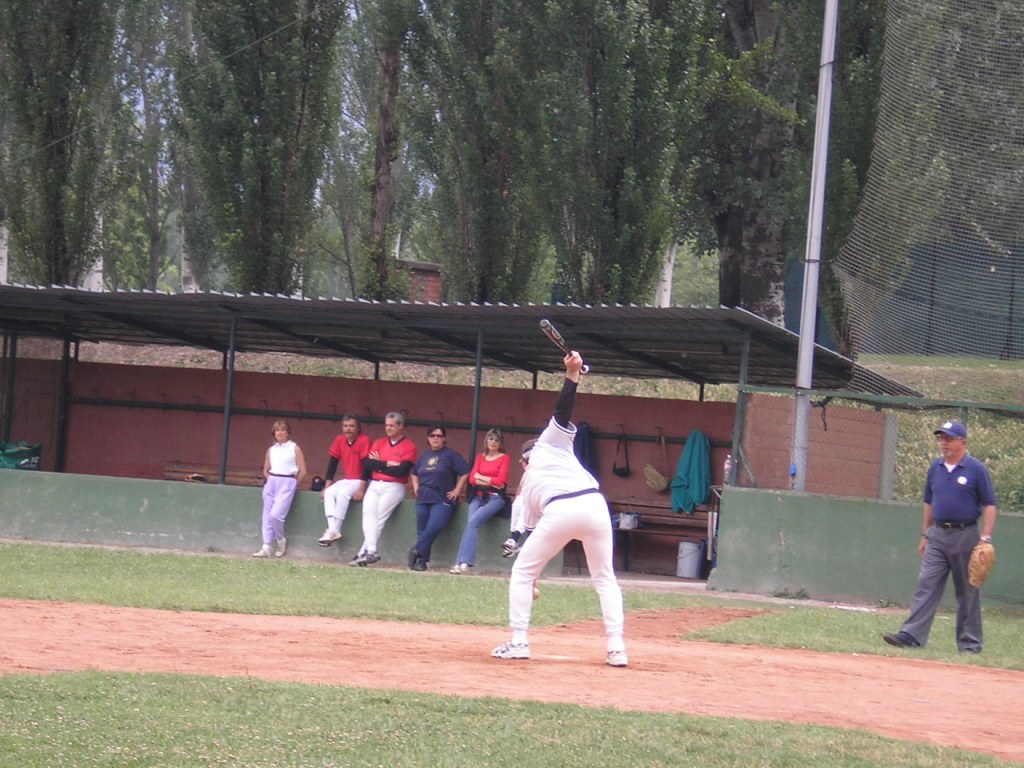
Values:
[(431, 519), (479, 513)]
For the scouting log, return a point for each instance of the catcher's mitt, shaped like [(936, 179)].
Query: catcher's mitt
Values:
[(980, 566)]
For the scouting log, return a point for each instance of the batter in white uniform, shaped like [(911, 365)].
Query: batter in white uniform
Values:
[(559, 500)]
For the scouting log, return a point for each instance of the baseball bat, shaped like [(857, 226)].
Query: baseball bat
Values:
[(552, 333)]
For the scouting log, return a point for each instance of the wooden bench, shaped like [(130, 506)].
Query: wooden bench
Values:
[(656, 518), (210, 473)]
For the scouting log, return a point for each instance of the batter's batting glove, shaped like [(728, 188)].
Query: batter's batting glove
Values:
[(510, 548)]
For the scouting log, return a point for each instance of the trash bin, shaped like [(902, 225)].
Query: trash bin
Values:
[(20, 455), (688, 564)]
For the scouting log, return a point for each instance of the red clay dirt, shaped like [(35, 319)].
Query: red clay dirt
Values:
[(963, 706)]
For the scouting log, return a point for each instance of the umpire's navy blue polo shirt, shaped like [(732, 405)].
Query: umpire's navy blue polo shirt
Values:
[(958, 496)]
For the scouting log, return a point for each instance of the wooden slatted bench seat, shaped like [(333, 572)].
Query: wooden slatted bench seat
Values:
[(210, 473), (656, 518)]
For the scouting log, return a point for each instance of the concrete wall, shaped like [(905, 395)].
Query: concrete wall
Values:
[(86, 509), (861, 550), (769, 542)]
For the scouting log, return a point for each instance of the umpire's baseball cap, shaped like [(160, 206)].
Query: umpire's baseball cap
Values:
[(952, 429)]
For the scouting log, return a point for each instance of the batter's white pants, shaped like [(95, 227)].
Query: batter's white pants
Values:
[(336, 500), (582, 517), (381, 499)]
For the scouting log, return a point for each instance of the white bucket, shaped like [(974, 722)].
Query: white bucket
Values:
[(688, 565)]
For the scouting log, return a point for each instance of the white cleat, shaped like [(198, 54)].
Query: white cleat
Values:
[(263, 551), (512, 651), (328, 538), (617, 659)]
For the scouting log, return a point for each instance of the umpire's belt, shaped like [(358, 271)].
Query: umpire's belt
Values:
[(572, 495), (955, 524)]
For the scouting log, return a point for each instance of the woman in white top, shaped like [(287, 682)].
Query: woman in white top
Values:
[(284, 466)]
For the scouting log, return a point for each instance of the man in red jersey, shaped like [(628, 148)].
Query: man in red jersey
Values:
[(387, 469), (349, 449)]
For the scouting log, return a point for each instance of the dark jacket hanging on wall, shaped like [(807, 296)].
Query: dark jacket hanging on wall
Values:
[(583, 447)]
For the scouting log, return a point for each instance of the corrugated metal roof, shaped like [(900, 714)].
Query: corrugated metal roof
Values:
[(702, 345)]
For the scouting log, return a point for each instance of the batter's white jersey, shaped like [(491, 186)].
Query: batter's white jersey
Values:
[(553, 470)]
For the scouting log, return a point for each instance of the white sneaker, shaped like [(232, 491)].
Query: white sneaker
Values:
[(462, 569), (617, 659), (264, 551), (328, 538), (512, 650), (282, 547)]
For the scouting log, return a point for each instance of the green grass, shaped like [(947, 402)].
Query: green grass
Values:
[(93, 719), (97, 719), (221, 583)]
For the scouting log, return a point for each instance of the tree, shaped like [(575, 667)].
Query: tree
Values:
[(751, 154), (134, 237), (389, 23), (619, 75), (55, 71), (256, 93)]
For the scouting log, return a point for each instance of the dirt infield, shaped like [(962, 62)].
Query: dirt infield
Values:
[(900, 698)]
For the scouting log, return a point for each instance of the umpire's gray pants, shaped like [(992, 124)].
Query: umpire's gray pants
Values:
[(947, 552)]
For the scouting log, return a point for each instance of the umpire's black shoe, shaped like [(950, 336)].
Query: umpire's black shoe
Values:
[(413, 557), (420, 564), (901, 639)]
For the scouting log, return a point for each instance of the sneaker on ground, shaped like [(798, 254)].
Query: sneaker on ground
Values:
[(328, 538), (359, 559), (370, 558), (420, 564), (461, 569), (413, 557), (512, 650), (264, 551), (617, 659), (282, 547)]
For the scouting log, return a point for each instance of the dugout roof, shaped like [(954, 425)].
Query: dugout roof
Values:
[(702, 345)]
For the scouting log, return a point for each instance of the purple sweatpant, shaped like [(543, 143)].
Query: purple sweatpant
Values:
[(278, 493)]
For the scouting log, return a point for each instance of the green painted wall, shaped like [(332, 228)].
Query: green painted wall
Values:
[(45, 506), (770, 542), (786, 543)]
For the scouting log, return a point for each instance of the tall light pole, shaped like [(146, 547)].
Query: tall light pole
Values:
[(812, 258)]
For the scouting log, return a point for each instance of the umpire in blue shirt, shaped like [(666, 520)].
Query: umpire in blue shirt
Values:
[(958, 495)]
